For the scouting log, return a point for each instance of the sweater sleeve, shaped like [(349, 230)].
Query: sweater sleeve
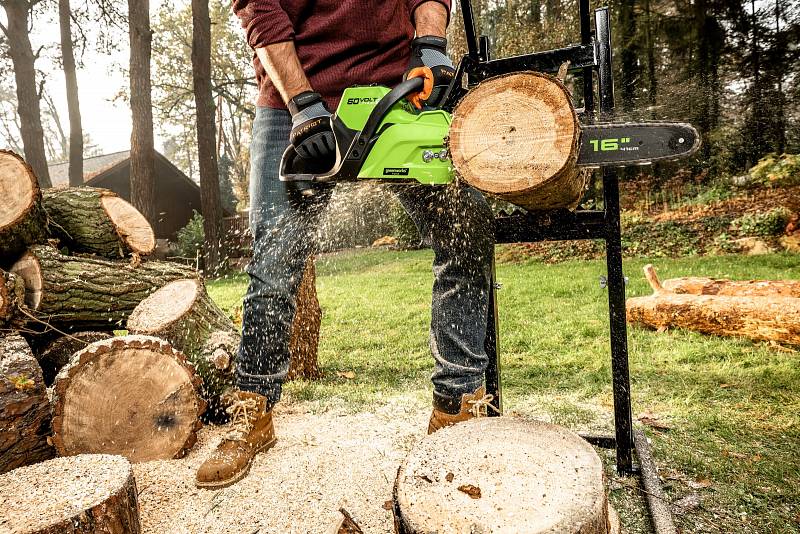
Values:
[(414, 4), (264, 21)]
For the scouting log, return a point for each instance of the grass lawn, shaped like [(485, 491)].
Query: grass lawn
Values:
[(731, 457)]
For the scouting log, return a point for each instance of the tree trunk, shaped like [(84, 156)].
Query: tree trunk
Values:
[(24, 407), (764, 318), (133, 395), (182, 313), (304, 341), (58, 353), (142, 149), (206, 145), (502, 151), (629, 53), (12, 296), (73, 104), (28, 92), (97, 221), (86, 292), (22, 221), (551, 477), (85, 494), (734, 288)]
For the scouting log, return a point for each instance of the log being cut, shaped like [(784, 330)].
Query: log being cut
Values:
[(22, 220), (550, 481), (762, 318), (24, 406), (516, 137), (88, 293), (97, 221), (133, 395), (87, 494)]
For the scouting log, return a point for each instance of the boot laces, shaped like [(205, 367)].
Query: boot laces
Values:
[(243, 414), (480, 407)]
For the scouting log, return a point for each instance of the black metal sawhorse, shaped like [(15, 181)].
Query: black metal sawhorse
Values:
[(592, 58)]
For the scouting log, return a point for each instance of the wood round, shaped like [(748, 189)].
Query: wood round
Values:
[(502, 475), (516, 136), (18, 188), (89, 494), (164, 307), (133, 395), (131, 225)]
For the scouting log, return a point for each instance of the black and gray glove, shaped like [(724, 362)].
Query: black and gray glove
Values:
[(311, 135), (431, 51)]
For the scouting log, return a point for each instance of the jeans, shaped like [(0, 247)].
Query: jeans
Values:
[(455, 221)]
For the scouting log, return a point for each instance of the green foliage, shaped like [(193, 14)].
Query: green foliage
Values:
[(404, 229), (191, 237), (766, 224), (777, 171)]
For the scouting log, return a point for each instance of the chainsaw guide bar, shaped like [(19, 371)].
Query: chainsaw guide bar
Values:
[(635, 143)]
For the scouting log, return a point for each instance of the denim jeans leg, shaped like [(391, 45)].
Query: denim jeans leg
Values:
[(282, 224), (458, 224)]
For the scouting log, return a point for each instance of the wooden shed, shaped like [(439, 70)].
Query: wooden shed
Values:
[(176, 194)]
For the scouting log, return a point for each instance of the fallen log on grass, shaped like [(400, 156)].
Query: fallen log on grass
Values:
[(734, 288), (465, 478), (84, 494), (763, 318), (86, 293), (97, 221), (22, 220), (24, 407), (516, 137), (132, 395)]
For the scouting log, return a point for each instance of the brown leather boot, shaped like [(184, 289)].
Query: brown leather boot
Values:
[(251, 432), (476, 404)]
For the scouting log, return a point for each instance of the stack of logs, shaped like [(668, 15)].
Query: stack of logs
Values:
[(73, 270)]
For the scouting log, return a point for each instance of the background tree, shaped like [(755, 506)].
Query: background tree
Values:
[(73, 102)]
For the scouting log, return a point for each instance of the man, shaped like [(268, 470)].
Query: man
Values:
[(307, 53)]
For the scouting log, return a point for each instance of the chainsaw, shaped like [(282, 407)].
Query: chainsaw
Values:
[(380, 136)]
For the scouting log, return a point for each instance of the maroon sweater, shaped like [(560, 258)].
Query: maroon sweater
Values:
[(339, 42)]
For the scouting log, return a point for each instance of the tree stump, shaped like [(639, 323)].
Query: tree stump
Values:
[(86, 293), (304, 343), (24, 406), (182, 313), (516, 137), (97, 221), (734, 288), (466, 478), (22, 220), (756, 317), (12, 295), (58, 352), (134, 396), (87, 494)]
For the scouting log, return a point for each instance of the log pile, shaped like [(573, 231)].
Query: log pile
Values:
[(762, 310)]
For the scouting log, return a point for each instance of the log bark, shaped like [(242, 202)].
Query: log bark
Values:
[(85, 494), (88, 293), (58, 352), (22, 221), (304, 341), (24, 407), (738, 288), (182, 313), (551, 477), (98, 221), (516, 137), (763, 318), (133, 395), (12, 295)]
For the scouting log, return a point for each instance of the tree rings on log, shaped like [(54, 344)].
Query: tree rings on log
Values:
[(466, 478), (22, 220), (516, 137), (98, 221), (24, 406), (87, 494), (134, 396)]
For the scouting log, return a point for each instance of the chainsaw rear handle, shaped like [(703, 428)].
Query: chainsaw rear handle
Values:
[(352, 147)]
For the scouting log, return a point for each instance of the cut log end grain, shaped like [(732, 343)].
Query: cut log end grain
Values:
[(516, 137), (134, 396), (21, 218), (551, 477), (24, 406), (81, 495)]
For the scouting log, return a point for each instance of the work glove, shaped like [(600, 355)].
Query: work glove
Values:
[(311, 134), (430, 51)]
